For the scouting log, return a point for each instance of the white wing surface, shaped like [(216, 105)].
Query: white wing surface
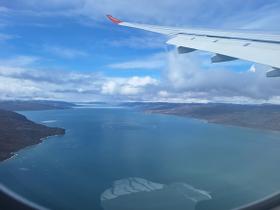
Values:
[(227, 45)]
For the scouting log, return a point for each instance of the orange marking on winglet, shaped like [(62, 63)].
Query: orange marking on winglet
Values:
[(114, 20)]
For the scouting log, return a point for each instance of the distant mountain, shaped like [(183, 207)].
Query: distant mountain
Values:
[(264, 116), (18, 105), (17, 132)]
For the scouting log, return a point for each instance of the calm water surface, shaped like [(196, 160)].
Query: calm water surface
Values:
[(158, 160)]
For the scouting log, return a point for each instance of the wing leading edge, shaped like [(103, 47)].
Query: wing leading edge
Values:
[(227, 45)]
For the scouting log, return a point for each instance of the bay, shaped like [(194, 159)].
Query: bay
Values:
[(224, 166)]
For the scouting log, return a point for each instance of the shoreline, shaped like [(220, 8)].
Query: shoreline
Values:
[(18, 132), (228, 124), (16, 153)]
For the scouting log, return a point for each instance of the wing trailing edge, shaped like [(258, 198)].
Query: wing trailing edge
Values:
[(227, 45)]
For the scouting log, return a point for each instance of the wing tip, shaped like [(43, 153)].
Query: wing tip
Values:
[(113, 19)]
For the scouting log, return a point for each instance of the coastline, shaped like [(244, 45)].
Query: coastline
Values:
[(213, 122), (16, 153), (264, 117), (18, 132)]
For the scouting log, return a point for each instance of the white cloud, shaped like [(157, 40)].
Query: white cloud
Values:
[(139, 42), (253, 69), (20, 60), (3, 9), (6, 37), (199, 12), (64, 52), (187, 75), (21, 80), (157, 61), (186, 78), (163, 94), (128, 86)]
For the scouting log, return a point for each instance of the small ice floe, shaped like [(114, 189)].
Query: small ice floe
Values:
[(49, 121), (139, 193)]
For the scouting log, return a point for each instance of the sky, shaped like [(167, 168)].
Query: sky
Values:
[(68, 50)]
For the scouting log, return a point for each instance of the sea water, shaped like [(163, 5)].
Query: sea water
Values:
[(126, 159)]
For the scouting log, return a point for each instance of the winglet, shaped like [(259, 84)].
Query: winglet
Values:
[(114, 20)]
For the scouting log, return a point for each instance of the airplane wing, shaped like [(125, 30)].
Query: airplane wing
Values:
[(227, 45)]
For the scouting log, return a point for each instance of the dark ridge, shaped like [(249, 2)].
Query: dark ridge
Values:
[(34, 105), (17, 132), (265, 116)]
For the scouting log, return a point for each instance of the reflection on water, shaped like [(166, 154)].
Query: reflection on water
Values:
[(138, 193)]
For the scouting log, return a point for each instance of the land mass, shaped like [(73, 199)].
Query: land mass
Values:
[(265, 116), (33, 105), (17, 132)]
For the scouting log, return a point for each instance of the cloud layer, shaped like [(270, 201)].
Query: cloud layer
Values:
[(218, 13), (180, 78), (184, 79), (24, 82)]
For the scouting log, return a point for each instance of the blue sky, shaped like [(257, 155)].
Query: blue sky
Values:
[(68, 50)]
